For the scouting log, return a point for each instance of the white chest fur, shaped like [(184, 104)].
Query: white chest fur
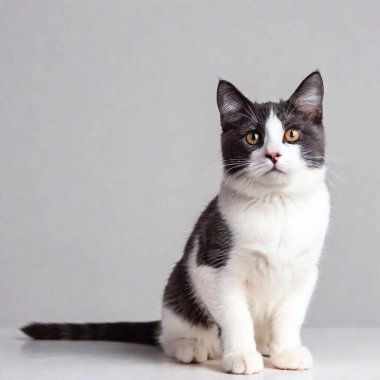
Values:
[(277, 240), (278, 226)]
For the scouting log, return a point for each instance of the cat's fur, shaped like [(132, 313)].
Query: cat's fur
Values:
[(243, 284)]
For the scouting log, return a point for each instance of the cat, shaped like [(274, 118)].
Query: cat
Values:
[(243, 284)]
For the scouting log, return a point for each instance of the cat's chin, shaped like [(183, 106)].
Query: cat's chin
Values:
[(274, 182), (271, 181), (291, 183), (275, 177)]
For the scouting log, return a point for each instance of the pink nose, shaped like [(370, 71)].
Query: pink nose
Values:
[(273, 156)]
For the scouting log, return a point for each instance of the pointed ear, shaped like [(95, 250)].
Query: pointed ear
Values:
[(230, 101), (308, 97)]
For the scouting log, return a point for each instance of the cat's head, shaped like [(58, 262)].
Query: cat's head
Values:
[(272, 143)]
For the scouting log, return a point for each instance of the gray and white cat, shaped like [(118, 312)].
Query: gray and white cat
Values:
[(243, 284)]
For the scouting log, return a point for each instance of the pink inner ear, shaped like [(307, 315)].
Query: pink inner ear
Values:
[(310, 111)]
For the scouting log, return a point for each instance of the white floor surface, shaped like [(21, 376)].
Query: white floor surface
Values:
[(349, 354)]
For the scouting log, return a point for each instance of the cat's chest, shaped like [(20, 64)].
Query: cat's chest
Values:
[(279, 226)]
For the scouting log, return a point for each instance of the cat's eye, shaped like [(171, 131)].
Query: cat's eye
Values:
[(292, 135), (252, 138)]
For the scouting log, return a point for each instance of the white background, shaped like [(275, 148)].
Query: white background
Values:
[(109, 144)]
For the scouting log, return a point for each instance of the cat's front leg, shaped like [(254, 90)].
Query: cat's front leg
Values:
[(233, 316), (286, 349)]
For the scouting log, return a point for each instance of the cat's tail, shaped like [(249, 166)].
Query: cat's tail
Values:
[(133, 332)]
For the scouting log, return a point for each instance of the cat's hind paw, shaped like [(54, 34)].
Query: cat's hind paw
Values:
[(245, 362), (296, 358), (191, 351)]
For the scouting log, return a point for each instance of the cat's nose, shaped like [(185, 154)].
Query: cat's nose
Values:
[(273, 156)]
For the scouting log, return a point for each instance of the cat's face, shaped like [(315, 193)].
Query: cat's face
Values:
[(269, 143)]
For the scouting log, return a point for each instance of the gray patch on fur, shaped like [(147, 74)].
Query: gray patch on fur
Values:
[(214, 237), (214, 243)]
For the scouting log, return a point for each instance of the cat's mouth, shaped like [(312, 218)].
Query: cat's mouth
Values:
[(274, 170)]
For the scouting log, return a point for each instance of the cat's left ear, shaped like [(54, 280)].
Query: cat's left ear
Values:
[(308, 97), (231, 102)]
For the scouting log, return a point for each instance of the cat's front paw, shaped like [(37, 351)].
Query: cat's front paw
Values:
[(296, 358), (245, 362)]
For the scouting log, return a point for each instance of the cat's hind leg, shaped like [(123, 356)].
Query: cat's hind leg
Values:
[(186, 342)]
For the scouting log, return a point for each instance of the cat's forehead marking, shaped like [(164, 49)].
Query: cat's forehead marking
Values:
[(274, 128)]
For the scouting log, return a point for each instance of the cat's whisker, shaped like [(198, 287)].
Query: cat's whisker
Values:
[(251, 113), (247, 117), (336, 175), (236, 175), (230, 163), (289, 114)]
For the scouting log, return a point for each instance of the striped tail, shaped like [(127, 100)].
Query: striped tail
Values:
[(133, 332)]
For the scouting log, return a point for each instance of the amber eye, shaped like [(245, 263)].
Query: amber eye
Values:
[(252, 138), (292, 135)]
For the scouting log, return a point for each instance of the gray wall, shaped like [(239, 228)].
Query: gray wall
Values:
[(109, 144)]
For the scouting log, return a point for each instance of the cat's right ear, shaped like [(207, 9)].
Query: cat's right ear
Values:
[(231, 102), (308, 96)]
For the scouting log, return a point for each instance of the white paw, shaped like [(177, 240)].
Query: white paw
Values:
[(246, 362), (190, 350), (296, 358)]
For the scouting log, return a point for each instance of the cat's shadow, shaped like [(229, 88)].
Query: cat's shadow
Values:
[(116, 350)]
